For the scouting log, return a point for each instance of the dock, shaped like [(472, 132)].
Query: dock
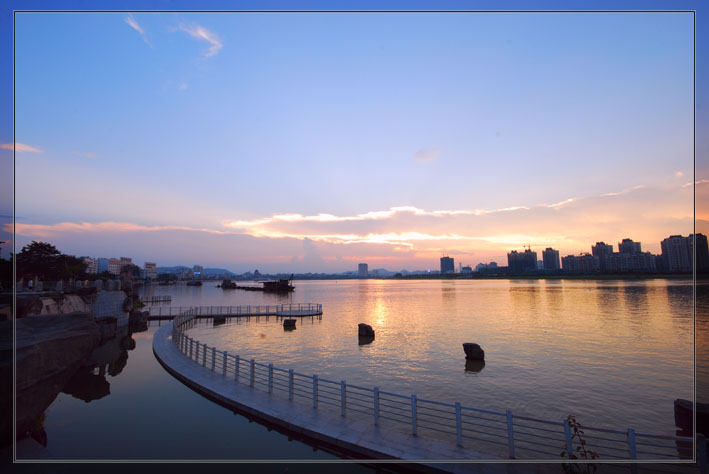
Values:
[(280, 311)]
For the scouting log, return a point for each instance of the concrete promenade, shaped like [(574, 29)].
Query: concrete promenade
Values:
[(321, 424)]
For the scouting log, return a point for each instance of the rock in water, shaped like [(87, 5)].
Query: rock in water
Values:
[(365, 330), (473, 351)]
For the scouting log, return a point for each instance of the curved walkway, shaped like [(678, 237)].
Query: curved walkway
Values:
[(323, 425)]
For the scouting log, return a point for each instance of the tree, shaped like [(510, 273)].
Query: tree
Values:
[(43, 260)]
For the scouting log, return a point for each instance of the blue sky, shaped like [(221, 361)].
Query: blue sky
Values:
[(311, 141)]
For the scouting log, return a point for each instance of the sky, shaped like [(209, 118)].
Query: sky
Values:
[(316, 141)]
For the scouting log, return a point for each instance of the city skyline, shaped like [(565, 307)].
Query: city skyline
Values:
[(391, 147)]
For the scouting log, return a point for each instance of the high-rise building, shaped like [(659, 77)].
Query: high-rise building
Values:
[(114, 266), (151, 270), (521, 262), (678, 253), (550, 257), (102, 265), (604, 252), (628, 246), (91, 264), (197, 269), (447, 265), (702, 256), (584, 263), (363, 270), (675, 254)]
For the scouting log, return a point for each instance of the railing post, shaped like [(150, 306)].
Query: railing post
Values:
[(315, 391), (569, 441), (290, 384), (214, 351), (224, 364), (414, 427), (702, 453), (204, 355), (251, 377), (458, 424), (236, 368), (631, 443), (376, 406), (190, 339), (270, 378), (343, 397), (510, 435)]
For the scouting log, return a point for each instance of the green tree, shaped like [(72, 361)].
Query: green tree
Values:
[(43, 260)]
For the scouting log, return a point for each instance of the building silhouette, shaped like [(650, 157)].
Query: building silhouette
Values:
[(522, 262), (584, 263), (151, 270), (629, 247), (363, 270), (447, 265), (678, 253), (550, 257)]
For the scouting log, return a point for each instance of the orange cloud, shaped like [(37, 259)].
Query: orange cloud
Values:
[(20, 147)]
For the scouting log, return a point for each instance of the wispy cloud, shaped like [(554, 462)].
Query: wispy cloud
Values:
[(21, 147), (134, 24), (699, 181), (426, 155), (202, 33), (42, 230)]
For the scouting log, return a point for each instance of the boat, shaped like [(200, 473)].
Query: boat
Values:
[(228, 285), (278, 286)]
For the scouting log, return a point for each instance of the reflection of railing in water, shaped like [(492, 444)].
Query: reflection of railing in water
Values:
[(500, 433), (156, 299), (283, 310)]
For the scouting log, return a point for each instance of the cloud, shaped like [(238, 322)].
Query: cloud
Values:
[(85, 154), (404, 236), (44, 231), (134, 24), (183, 86), (679, 174), (426, 155), (571, 224), (21, 147), (699, 181), (201, 33)]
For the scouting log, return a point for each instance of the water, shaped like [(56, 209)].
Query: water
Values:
[(128, 407), (613, 353)]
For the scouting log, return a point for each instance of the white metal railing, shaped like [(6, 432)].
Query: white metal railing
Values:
[(295, 309), (501, 433)]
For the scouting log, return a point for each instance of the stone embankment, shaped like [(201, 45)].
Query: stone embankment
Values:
[(56, 333), (49, 350)]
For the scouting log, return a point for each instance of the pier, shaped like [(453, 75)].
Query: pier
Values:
[(379, 424), (280, 311)]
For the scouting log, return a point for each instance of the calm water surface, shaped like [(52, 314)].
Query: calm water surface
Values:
[(613, 353)]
